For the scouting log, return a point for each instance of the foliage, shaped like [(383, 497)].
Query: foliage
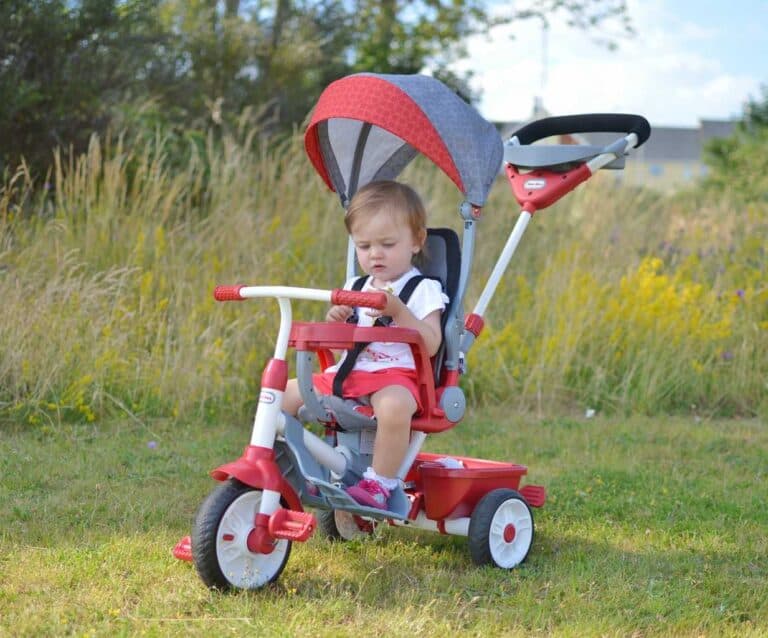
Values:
[(405, 37), (275, 57), (740, 163), (65, 67), (756, 111)]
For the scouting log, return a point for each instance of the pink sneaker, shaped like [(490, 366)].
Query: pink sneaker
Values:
[(371, 493)]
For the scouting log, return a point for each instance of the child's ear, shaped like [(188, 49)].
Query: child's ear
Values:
[(421, 240)]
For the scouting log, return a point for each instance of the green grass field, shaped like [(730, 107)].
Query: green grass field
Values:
[(654, 527)]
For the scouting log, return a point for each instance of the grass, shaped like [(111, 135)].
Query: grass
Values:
[(654, 527), (618, 299)]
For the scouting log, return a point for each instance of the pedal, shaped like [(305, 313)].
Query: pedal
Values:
[(183, 549), (535, 495), (291, 525)]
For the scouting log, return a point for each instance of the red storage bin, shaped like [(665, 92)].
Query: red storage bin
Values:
[(454, 492)]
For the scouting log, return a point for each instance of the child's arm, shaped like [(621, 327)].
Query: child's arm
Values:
[(428, 328)]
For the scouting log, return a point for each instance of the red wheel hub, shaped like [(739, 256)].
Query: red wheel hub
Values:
[(509, 533), (259, 541)]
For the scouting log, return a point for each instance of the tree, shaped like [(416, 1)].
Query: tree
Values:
[(739, 164), (272, 57), (406, 36), (756, 111), (65, 65), (280, 54)]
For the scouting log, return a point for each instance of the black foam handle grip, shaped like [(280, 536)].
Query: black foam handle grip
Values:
[(586, 123)]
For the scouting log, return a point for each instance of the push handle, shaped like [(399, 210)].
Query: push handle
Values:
[(586, 123), (228, 293), (377, 300)]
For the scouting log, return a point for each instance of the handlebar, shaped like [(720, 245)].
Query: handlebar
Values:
[(228, 293), (284, 294), (376, 300), (586, 123), (337, 296)]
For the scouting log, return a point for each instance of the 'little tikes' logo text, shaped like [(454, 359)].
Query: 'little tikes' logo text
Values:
[(534, 184)]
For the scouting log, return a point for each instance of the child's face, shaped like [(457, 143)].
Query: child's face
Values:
[(385, 246)]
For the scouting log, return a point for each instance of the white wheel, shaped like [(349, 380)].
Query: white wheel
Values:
[(501, 529), (220, 542), (339, 525)]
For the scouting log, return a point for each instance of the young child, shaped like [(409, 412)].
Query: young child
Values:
[(387, 223)]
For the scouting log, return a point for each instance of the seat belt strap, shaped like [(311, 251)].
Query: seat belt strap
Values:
[(349, 361)]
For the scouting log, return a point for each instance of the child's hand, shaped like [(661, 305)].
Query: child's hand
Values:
[(428, 327), (394, 308), (339, 313)]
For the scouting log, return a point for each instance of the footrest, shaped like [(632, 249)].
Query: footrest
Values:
[(535, 495), (338, 499), (183, 549), (291, 525)]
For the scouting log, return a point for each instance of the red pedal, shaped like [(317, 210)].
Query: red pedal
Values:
[(536, 495), (183, 549), (292, 525)]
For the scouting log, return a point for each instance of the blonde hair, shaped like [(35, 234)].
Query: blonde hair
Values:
[(393, 198)]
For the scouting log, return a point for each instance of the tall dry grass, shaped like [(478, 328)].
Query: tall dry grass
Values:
[(618, 299), (106, 283), (628, 300)]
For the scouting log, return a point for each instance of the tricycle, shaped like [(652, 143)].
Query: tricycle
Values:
[(290, 481)]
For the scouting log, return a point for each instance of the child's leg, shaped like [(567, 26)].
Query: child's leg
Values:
[(292, 400), (394, 406)]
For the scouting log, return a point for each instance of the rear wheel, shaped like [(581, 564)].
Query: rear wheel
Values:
[(338, 525), (220, 540), (501, 529)]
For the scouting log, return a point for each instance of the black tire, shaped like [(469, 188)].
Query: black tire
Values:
[(338, 525), (501, 529), (221, 528)]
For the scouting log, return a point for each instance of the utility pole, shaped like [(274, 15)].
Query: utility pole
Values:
[(538, 100)]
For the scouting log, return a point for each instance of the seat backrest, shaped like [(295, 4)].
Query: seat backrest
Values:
[(442, 260)]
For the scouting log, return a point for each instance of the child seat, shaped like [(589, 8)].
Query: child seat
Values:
[(441, 261)]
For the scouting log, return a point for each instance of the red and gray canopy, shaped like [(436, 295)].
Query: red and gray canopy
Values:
[(367, 127)]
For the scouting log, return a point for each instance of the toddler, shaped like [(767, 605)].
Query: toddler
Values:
[(387, 223)]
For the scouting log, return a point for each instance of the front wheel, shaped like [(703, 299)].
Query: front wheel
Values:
[(501, 529), (220, 540)]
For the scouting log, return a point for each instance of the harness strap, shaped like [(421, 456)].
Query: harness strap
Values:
[(349, 361)]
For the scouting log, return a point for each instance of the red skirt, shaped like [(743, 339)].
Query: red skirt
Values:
[(362, 383)]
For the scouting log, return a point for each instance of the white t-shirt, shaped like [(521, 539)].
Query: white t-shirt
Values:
[(426, 298)]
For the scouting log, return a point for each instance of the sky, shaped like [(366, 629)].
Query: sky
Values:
[(689, 60)]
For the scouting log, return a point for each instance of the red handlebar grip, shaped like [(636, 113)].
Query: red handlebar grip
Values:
[(227, 293), (376, 300)]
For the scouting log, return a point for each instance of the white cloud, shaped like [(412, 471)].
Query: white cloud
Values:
[(672, 72)]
